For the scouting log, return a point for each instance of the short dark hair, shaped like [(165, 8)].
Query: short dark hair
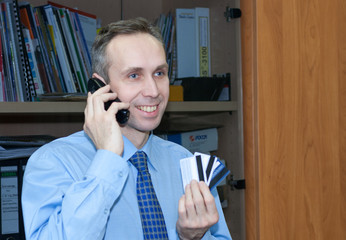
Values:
[(100, 63)]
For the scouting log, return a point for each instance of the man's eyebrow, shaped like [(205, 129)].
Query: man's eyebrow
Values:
[(165, 65), (131, 69), (138, 69)]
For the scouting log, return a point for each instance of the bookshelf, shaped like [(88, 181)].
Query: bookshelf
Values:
[(63, 118)]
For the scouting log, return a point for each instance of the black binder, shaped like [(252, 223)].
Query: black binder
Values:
[(14, 154), (12, 171)]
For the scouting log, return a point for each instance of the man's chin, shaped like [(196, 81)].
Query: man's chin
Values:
[(144, 126), (148, 128)]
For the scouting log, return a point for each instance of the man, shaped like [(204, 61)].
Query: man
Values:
[(84, 186)]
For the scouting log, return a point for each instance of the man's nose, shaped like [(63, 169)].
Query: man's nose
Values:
[(150, 88)]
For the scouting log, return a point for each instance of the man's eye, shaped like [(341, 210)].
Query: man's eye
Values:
[(158, 74), (133, 76)]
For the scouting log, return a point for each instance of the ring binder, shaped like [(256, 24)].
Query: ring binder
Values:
[(12, 226)]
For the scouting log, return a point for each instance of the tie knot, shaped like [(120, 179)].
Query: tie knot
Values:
[(139, 160)]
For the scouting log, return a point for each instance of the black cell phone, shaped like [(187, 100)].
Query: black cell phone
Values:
[(123, 114)]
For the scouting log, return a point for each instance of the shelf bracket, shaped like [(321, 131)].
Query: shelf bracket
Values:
[(232, 13), (236, 184)]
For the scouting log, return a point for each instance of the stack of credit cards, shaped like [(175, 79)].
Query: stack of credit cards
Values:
[(203, 167)]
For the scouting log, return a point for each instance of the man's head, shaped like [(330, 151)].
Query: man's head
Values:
[(100, 60), (130, 57)]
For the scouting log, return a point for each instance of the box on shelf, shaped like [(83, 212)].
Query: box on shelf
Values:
[(176, 93), (205, 140)]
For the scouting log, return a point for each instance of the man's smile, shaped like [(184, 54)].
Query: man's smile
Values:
[(147, 108)]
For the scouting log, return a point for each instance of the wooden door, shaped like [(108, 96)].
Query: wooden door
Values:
[(294, 85)]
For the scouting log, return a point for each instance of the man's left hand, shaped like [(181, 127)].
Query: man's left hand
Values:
[(197, 211)]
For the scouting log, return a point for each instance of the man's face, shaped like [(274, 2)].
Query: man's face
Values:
[(138, 74)]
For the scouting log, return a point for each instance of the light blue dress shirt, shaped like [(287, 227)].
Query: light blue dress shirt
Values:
[(73, 191)]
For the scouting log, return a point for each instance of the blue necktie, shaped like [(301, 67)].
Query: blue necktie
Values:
[(153, 222)]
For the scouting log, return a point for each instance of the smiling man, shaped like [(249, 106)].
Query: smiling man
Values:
[(115, 181)]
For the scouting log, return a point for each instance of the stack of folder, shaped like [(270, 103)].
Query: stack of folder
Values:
[(14, 153)]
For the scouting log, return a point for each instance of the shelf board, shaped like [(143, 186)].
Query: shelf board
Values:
[(215, 106), (78, 107)]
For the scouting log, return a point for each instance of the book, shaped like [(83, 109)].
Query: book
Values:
[(15, 65), (87, 21), (60, 52), (186, 43), (28, 20), (32, 61), (70, 51), (48, 54), (16, 73), (81, 43), (75, 51), (28, 86), (14, 52), (84, 25), (193, 42), (41, 69), (9, 83), (202, 28), (28, 36), (44, 49), (2, 77), (167, 26)]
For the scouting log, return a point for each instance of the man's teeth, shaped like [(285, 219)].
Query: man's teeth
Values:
[(148, 108)]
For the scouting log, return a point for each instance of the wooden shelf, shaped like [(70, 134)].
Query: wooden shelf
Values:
[(222, 106), (78, 107)]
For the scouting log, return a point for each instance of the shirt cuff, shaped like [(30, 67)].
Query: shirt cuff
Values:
[(207, 236)]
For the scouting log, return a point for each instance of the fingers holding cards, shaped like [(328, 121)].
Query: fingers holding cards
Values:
[(197, 211)]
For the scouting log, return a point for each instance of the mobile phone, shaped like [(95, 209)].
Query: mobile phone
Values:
[(123, 114)]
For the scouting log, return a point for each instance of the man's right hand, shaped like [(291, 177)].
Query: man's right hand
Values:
[(101, 125)]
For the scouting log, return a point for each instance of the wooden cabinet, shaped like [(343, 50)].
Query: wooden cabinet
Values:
[(63, 118), (294, 71)]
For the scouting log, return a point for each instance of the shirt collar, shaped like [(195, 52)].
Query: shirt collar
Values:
[(130, 149)]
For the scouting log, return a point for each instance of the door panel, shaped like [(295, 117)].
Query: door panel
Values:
[(294, 119)]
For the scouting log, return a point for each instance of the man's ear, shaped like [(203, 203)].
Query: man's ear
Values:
[(95, 75)]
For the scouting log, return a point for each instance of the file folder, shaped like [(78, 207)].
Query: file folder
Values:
[(11, 226)]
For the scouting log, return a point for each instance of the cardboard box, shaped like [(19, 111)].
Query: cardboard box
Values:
[(176, 93), (203, 141)]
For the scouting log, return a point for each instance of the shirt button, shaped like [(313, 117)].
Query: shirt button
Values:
[(120, 174), (106, 211)]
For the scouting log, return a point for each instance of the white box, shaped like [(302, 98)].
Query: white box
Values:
[(203, 141), (186, 43)]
